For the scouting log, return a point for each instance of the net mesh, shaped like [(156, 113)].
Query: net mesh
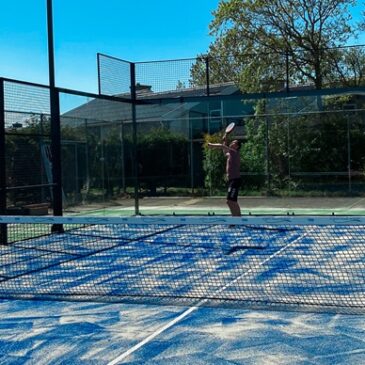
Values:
[(257, 262)]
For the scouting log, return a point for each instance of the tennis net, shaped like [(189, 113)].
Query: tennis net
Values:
[(315, 263)]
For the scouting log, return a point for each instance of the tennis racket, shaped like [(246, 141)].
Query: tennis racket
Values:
[(230, 128)]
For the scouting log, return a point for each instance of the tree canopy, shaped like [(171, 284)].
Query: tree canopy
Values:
[(258, 42)]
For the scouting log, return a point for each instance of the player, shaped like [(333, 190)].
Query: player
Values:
[(232, 153)]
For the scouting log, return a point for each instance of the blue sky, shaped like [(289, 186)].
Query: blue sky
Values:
[(138, 30)]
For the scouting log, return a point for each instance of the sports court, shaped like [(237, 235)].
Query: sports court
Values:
[(183, 290), (116, 242), (34, 332), (284, 289)]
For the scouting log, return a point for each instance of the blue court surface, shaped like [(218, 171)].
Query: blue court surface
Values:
[(50, 332), (310, 270)]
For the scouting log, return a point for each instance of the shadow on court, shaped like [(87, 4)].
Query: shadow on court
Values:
[(42, 332)]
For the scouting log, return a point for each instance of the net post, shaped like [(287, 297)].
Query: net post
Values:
[(3, 234), (57, 228), (3, 227)]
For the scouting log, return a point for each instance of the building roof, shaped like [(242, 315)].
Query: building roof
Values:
[(106, 110)]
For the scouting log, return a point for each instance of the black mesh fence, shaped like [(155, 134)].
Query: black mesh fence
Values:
[(306, 154), (308, 145), (299, 144), (27, 135), (97, 160), (167, 77), (248, 72), (114, 76)]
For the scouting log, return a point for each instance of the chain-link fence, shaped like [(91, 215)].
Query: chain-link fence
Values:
[(27, 135), (303, 143), (257, 72)]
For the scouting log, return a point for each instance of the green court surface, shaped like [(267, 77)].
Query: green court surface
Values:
[(217, 206)]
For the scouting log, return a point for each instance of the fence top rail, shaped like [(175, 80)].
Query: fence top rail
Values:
[(209, 57), (158, 99), (113, 57), (250, 96), (92, 95), (174, 60), (67, 91), (28, 83)]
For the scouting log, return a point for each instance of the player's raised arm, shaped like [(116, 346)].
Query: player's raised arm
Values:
[(221, 146)]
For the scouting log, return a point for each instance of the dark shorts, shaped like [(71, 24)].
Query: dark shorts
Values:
[(233, 188)]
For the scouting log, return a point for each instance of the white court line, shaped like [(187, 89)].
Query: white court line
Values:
[(152, 336), (133, 349)]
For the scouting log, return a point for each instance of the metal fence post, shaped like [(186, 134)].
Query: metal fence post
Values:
[(3, 227), (207, 76), (348, 137), (287, 76), (134, 124), (2, 151), (267, 155), (99, 74), (56, 152), (55, 121)]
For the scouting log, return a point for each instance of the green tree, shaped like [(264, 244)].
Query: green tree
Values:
[(347, 66), (253, 39), (213, 164), (162, 158)]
